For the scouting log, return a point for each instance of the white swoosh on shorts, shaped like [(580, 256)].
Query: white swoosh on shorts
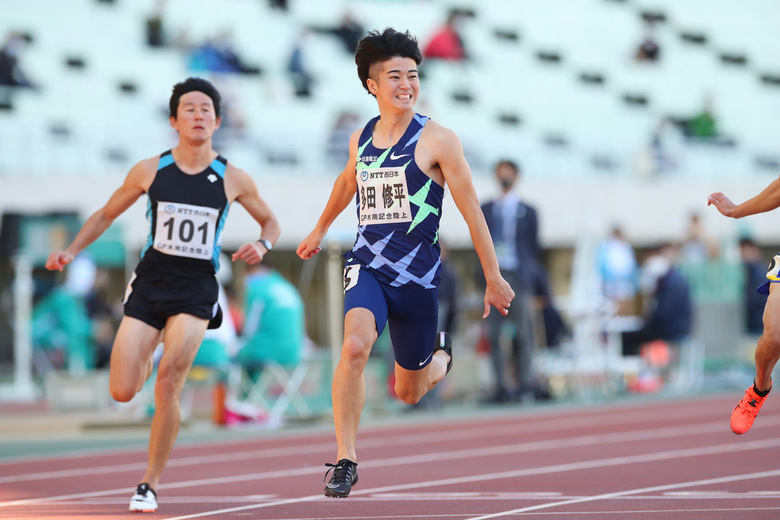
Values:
[(426, 359)]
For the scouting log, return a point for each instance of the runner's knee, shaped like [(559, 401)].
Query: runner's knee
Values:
[(121, 392), (355, 350), (771, 336), (408, 394)]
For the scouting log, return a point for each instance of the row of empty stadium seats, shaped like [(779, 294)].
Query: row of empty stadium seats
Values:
[(551, 83)]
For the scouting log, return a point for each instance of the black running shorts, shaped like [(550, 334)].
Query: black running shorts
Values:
[(153, 299)]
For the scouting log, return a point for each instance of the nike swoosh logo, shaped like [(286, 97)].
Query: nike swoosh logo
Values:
[(394, 157), (426, 359)]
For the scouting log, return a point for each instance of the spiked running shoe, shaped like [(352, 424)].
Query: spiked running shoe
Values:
[(746, 410), (344, 476), (444, 342), (144, 500)]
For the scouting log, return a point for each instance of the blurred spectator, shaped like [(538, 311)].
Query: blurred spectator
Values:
[(278, 4), (302, 79), (233, 127), (155, 26), (669, 308), (755, 275), (218, 54), (62, 329), (274, 324), (695, 249), (704, 125), (11, 73), (664, 146), (338, 141), (447, 42), (648, 50), (514, 228), (105, 317), (555, 328), (618, 268), (349, 32)]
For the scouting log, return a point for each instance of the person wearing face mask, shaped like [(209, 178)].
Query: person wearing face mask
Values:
[(514, 228), (669, 315)]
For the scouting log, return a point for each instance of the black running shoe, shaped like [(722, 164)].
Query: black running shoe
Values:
[(344, 476), (444, 342)]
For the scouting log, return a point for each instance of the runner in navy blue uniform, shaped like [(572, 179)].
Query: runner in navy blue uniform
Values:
[(172, 296), (396, 173)]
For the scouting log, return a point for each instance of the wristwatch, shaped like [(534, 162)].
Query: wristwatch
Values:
[(266, 244)]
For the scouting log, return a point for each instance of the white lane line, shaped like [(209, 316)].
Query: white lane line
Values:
[(391, 438), (555, 444), (651, 489), (614, 461), (587, 440)]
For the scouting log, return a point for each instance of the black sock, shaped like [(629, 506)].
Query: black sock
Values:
[(758, 392)]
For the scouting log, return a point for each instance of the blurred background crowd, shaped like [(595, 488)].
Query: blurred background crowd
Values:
[(595, 129)]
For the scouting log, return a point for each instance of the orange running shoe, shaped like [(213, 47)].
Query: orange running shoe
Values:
[(746, 410)]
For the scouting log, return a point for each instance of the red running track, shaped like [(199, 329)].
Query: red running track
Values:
[(671, 459)]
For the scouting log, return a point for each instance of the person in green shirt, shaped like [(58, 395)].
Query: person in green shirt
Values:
[(274, 324)]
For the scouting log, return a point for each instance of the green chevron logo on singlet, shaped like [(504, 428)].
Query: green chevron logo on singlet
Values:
[(375, 164), (418, 199), (425, 209)]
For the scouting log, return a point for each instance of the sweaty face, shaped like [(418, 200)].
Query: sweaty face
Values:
[(195, 117), (395, 82)]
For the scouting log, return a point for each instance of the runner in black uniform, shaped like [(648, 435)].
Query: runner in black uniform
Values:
[(172, 296)]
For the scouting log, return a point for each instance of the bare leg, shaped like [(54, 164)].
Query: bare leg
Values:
[(183, 335), (349, 385), (768, 349), (131, 358), (412, 385)]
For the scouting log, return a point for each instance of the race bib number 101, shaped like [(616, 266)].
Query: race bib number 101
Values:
[(185, 230), (384, 198)]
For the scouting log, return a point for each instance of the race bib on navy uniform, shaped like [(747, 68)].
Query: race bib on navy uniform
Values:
[(384, 198), (185, 230)]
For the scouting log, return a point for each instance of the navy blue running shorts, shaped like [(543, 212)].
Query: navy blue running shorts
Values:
[(154, 299), (411, 313)]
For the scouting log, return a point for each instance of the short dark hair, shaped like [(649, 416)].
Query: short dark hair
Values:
[(378, 47), (193, 85), (514, 166)]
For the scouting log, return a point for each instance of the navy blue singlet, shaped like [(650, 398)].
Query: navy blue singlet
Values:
[(399, 209)]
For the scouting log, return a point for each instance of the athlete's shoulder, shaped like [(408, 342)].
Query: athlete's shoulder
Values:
[(151, 164), (439, 131), (438, 135), (146, 167), (238, 182), (234, 174)]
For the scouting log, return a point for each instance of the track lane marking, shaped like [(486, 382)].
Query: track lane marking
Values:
[(600, 463), (570, 442), (651, 489)]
